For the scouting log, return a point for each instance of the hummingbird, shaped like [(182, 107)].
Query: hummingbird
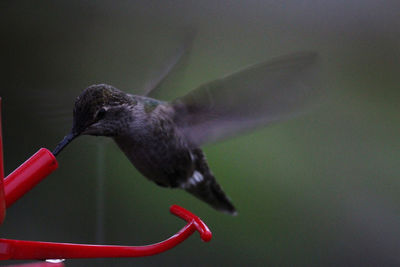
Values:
[(163, 139)]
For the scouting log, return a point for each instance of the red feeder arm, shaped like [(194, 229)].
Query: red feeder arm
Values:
[(34, 170)]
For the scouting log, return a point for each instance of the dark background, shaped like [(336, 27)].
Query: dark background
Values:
[(318, 190)]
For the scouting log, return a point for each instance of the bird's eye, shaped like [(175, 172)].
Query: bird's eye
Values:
[(101, 113)]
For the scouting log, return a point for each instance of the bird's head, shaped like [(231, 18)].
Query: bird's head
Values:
[(96, 112)]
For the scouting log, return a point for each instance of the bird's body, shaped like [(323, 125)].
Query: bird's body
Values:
[(154, 145), (145, 129), (162, 139)]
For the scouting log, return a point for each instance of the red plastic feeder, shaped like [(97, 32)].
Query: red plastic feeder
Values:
[(34, 170)]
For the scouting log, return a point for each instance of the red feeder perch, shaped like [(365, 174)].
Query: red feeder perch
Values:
[(34, 170)]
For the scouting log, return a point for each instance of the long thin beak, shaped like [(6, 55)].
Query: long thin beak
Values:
[(67, 139)]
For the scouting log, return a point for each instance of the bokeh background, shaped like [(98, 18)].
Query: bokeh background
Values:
[(318, 190)]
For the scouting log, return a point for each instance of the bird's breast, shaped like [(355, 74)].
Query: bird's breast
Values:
[(160, 154)]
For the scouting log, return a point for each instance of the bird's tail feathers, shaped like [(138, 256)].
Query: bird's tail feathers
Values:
[(205, 187)]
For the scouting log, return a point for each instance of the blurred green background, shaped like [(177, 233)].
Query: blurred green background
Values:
[(318, 190)]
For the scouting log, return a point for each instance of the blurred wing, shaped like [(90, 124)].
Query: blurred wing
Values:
[(170, 66), (255, 96)]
